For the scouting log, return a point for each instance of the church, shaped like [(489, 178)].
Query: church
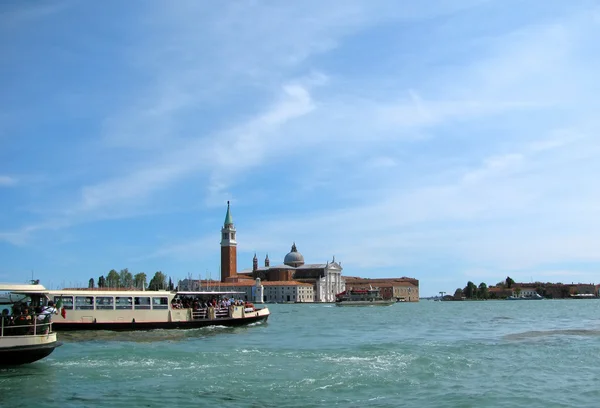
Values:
[(326, 278), (291, 281)]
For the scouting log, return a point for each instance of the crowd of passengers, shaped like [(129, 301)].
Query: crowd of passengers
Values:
[(188, 302), (27, 319)]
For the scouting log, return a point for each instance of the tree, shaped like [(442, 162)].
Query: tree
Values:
[(91, 283), (125, 278), (112, 279), (470, 291), (482, 291), (509, 282), (171, 287), (101, 282), (458, 294), (139, 281), (158, 281)]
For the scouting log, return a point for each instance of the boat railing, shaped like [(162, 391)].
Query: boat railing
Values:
[(21, 326), (210, 313)]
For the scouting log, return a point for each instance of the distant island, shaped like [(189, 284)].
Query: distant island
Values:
[(508, 288)]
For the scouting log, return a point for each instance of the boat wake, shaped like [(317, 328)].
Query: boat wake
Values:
[(533, 334), (144, 336)]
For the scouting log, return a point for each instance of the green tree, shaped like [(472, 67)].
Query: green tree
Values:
[(101, 282), (517, 292), (509, 282), (458, 294), (112, 279), (171, 287), (470, 291), (140, 281), (158, 281), (91, 283), (126, 278), (482, 291)]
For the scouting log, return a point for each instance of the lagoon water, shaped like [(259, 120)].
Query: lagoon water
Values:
[(427, 354)]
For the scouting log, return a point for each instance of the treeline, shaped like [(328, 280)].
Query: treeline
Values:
[(472, 291), (125, 279)]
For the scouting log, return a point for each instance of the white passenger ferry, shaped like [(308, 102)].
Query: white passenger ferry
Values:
[(120, 310)]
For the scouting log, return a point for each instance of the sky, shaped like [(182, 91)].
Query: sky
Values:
[(448, 141)]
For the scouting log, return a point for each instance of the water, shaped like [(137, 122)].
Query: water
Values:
[(428, 354)]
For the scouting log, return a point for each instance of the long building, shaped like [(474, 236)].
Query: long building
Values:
[(293, 280)]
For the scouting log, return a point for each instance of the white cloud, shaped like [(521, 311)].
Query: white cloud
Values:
[(484, 159), (6, 181)]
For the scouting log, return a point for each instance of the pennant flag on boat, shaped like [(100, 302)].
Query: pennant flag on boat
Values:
[(60, 306)]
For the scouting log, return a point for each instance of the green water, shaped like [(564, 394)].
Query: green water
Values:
[(430, 354)]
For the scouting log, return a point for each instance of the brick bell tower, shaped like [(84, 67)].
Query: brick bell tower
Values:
[(228, 248)]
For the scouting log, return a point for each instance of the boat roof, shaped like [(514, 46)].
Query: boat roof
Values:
[(122, 292), (25, 288), (109, 292), (210, 292)]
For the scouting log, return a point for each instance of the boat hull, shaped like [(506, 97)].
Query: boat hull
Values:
[(133, 325), (364, 303), (18, 350)]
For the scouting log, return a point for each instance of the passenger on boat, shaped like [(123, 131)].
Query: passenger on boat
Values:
[(23, 319), (7, 319)]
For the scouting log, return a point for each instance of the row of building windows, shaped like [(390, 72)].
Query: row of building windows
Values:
[(113, 302)]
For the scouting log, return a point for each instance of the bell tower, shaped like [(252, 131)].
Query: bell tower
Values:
[(228, 248)]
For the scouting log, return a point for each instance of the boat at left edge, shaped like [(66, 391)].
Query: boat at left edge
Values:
[(26, 332)]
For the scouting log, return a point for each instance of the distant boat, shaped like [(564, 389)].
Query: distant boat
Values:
[(362, 297), (583, 296), (535, 296)]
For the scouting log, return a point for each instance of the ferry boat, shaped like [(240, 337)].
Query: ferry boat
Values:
[(24, 338), (125, 310), (534, 296), (362, 297)]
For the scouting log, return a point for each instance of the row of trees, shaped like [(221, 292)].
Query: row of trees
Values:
[(472, 291), (125, 279)]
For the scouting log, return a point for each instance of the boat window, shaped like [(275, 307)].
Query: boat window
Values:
[(160, 303), (105, 302), (142, 302), (66, 300), (123, 302), (84, 302)]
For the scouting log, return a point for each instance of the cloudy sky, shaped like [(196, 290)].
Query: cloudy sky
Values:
[(446, 141)]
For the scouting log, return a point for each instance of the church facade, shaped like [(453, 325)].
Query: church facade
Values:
[(325, 278)]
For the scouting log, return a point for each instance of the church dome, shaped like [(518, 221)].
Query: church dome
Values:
[(294, 258)]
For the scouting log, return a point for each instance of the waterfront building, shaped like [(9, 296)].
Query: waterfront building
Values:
[(325, 278), (291, 281), (401, 289)]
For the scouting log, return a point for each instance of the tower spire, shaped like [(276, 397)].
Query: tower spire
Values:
[(228, 218)]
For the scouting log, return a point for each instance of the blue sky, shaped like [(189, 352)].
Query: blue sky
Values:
[(447, 140)]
